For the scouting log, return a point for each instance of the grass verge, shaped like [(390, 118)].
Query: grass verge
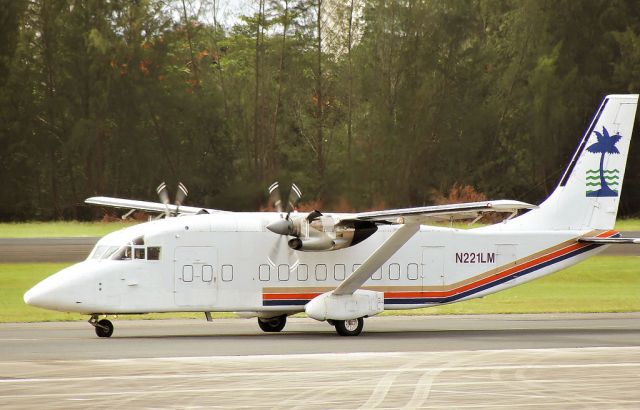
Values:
[(600, 284), (59, 229)]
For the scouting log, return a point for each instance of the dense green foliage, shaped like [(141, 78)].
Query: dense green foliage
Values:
[(362, 102)]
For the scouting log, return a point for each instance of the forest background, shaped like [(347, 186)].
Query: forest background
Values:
[(363, 103)]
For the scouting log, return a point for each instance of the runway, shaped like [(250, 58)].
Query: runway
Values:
[(493, 361)]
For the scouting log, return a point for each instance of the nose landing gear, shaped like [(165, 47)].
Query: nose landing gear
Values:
[(104, 327)]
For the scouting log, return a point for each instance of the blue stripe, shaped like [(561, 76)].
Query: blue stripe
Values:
[(453, 298)]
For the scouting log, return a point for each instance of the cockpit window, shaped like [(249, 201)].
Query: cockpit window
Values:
[(153, 253), (124, 253), (139, 252), (133, 250)]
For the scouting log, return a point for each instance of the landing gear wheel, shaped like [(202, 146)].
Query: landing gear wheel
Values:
[(104, 328), (351, 327), (273, 324)]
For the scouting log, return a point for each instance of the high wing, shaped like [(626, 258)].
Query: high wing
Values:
[(411, 219), (377, 259), (146, 206), (439, 213)]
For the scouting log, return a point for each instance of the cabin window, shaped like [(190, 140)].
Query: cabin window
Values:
[(227, 273), (187, 273), (283, 272), (153, 253), (264, 273), (207, 273), (321, 272), (355, 267), (412, 271), (394, 271), (303, 272), (139, 253), (338, 272), (377, 275)]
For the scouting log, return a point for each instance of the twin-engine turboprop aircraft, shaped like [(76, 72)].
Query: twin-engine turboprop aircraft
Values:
[(340, 267)]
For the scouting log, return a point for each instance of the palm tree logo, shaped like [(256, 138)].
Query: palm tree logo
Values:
[(606, 145)]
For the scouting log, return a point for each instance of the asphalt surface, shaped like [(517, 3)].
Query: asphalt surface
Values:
[(18, 250), (494, 361)]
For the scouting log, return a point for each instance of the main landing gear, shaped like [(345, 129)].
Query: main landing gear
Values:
[(272, 324), (104, 327), (351, 327)]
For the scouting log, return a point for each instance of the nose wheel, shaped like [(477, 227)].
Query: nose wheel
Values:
[(104, 327)]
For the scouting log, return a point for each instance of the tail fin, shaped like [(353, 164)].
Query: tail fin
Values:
[(589, 191)]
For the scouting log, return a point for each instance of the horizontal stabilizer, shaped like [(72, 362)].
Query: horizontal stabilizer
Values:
[(609, 241)]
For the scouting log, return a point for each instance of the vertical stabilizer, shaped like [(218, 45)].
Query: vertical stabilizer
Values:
[(589, 191)]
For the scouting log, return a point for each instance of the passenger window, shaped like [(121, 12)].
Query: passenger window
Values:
[(207, 273), (227, 273), (338, 272), (153, 253), (303, 272), (321, 272), (356, 266), (412, 271), (394, 271), (283, 272), (264, 273), (377, 275), (187, 273), (138, 253)]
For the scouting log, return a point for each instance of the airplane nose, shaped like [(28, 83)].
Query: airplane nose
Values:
[(40, 296)]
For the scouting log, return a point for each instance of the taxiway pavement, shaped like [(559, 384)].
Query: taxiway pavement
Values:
[(492, 361)]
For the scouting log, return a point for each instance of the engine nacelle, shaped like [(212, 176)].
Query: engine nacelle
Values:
[(318, 243), (345, 307)]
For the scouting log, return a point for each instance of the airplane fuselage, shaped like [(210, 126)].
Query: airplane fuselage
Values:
[(222, 262)]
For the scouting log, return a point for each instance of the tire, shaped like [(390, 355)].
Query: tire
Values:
[(351, 327), (104, 328), (272, 325)]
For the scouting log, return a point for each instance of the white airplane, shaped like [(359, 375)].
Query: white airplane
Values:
[(340, 267)]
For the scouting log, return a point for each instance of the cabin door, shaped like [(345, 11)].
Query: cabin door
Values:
[(195, 276), (432, 266)]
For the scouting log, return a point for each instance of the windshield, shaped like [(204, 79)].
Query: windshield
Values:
[(135, 249)]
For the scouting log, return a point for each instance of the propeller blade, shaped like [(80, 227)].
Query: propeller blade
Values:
[(181, 194), (273, 258), (274, 196), (294, 196), (163, 194)]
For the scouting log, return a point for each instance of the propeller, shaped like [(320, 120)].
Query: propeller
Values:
[(163, 194), (283, 226)]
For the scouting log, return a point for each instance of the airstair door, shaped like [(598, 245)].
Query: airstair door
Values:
[(195, 276), (433, 266)]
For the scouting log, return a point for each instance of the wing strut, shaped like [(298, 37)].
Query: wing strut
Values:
[(380, 256)]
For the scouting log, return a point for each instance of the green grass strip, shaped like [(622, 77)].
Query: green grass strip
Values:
[(59, 229), (600, 284)]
